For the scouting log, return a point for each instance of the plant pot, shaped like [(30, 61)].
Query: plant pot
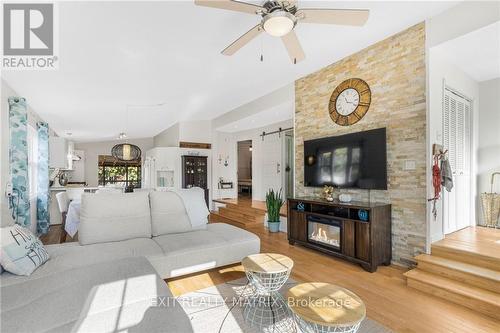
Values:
[(273, 226)]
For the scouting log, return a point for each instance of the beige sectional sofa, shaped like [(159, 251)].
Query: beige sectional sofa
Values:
[(151, 234)]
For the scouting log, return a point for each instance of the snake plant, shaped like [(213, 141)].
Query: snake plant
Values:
[(274, 201)]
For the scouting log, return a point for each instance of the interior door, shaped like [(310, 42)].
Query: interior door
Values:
[(457, 111), (272, 159)]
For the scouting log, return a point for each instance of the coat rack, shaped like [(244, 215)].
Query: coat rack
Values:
[(274, 132), (437, 155)]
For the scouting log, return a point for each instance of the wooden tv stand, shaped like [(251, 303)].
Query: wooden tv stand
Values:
[(365, 229)]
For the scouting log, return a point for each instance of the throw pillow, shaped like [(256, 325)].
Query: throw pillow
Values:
[(21, 252)]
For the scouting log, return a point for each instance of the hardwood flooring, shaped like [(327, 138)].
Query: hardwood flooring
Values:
[(388, 300)]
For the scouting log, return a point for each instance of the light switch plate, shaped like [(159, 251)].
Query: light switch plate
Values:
[(410, 165)]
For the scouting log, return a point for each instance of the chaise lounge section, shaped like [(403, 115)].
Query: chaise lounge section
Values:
[(124, 239)]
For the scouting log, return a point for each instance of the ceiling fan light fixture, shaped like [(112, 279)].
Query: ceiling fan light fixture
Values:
[(278, 23)]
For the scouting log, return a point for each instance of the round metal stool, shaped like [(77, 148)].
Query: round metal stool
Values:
[(267, 272), (323, 307)]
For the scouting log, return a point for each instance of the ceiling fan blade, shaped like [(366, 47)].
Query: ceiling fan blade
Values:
[(356, 17), (230, 5), (243, 40), (293, 47)]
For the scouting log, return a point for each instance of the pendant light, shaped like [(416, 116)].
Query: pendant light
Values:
[(125, 151)]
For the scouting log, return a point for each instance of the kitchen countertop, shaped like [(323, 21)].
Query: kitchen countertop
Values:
[(64, 188)]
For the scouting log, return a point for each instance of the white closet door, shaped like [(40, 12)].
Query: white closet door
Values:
[(271, 166), (457, 140)]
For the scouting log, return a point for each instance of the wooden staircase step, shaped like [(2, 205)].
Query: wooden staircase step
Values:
[(460, 271), (466, 255), (233, 214), (481, 300), (217, 217)]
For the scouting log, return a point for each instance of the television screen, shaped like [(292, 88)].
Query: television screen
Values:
[(357, 160)]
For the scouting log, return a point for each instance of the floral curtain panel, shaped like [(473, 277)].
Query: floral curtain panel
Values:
[(19, 201), (42, 201)]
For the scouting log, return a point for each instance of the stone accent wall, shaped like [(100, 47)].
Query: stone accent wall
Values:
[(395, 71)]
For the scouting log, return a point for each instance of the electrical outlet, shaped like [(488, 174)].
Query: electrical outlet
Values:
[(410, 165), (8, 189)]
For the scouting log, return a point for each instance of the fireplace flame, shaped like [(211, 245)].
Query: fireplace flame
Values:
[(321, 236)]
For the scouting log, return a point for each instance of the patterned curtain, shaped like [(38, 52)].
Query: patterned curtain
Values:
[(42, 201), (19, 202)]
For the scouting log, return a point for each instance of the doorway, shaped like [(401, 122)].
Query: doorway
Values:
[(244, 171)]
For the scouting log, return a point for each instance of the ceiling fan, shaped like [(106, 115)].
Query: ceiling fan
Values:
[(279, 18)]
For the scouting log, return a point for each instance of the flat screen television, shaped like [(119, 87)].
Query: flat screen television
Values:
[(357, 160)]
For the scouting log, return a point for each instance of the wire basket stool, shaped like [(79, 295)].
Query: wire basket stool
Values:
[(266, 283)]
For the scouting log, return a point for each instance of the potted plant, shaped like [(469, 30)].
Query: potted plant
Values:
[(274, 202)]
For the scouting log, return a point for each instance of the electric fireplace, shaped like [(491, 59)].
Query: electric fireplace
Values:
[(324, 231)]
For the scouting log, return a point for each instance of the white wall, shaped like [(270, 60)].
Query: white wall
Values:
[(199, 131), (489, 138), (94, 149), (168, 138), (440, 71)]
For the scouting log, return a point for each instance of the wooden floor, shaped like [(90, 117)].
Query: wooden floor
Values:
[(480, 240), (387, 298)]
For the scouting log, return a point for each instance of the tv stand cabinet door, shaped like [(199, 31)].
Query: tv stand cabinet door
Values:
[(348, 239), (363, 241), (298, 226)]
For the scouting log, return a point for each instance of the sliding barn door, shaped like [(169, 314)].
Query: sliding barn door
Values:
[(271, 166), (457, 115)]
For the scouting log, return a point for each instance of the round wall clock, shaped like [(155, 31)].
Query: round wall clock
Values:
[(350, 101)]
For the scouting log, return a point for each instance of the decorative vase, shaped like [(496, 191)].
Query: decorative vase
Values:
[(63, 179), (344, 197), (273, 226)]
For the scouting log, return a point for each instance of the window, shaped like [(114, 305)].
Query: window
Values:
[(113, 172)]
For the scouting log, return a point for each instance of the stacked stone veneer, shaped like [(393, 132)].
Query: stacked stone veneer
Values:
[(395, 71)]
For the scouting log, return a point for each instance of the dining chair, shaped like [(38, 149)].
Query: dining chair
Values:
[(75, 193), (63, 204)]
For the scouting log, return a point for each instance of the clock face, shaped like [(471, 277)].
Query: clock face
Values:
[(347, 101), (350, 101)]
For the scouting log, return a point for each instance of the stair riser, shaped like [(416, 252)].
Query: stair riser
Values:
[(467, 257), (464, 277), (246, 210), (243, 217), (488, 309)]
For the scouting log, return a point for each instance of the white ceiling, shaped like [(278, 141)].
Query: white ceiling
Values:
[(476, 53), (117, 53)]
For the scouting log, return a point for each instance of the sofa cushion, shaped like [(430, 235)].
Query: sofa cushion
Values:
[(71, 255), (21, 252), (168, 214), (220, 244), (118, 296), (114, 217)]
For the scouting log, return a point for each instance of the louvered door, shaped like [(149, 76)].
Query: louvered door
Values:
[(457, 140)]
